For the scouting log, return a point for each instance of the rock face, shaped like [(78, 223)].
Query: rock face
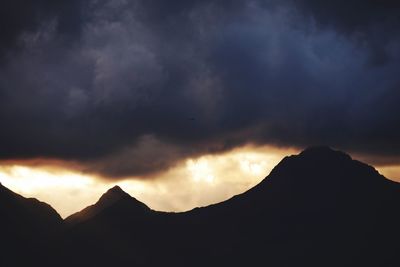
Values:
[(318, 208)]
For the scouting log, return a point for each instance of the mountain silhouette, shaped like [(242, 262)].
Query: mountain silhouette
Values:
[(25, 223), (112, 198), (318, 208)]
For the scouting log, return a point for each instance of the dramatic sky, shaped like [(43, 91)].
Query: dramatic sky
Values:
[(150, 92)]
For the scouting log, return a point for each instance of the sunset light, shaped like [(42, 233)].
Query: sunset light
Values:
[(199, 133), (202, 181)]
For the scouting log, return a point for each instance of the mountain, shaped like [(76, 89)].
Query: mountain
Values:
[(318, 208), (24, 224), (112, 198)]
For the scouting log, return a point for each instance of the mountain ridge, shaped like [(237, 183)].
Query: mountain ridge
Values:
[(317, 208)]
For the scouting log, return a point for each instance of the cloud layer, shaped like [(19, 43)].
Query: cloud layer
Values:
[(131, 88)]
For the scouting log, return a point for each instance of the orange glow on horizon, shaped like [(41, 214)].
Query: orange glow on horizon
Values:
[(390, 172), (194, 182)]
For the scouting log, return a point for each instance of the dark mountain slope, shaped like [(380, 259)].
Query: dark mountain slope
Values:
[(319, 208), (25, 223), (113, 197), (106, 233)]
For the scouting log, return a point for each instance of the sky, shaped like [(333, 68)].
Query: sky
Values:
[(186, 103)]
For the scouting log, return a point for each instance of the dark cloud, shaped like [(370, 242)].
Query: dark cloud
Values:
[(369, 22), (18, 16), (133, 87), (351, 16)]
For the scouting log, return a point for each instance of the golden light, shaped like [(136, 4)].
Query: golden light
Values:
[(195, 182), (28, 179), (390, 172), (65, 190), (200, 171)]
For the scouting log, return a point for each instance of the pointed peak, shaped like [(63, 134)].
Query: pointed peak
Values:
[(116, 189), (113, 195)]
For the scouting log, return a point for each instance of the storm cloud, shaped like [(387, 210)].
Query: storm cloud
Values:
[(131, 88)]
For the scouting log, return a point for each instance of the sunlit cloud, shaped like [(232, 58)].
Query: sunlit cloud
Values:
[(200, 171), (194, 182), (207, 179), (65, 190), (29, 179)]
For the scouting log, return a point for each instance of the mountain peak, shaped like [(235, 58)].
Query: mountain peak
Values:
[(113, 195), (116, 188), (322, 151), (324, 167), (323, 154), (314, 157)]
